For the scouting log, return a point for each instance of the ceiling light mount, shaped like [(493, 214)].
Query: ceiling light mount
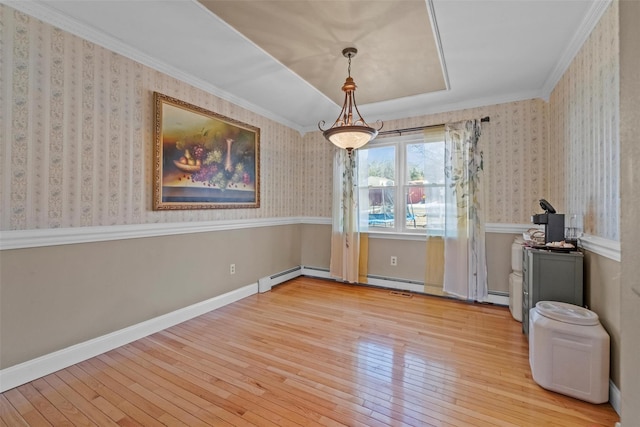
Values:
[(348, 132), (349, 52)]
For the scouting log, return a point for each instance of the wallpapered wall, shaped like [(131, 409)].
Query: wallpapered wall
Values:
[(584, 132), (76, 146), (515, 159), (77, 135)]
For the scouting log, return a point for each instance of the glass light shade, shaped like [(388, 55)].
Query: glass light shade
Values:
[(350, 137)]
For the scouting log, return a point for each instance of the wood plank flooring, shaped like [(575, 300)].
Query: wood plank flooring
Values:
[(311, 353)]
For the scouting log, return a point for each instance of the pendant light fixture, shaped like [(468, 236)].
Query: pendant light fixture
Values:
[(349, 132)]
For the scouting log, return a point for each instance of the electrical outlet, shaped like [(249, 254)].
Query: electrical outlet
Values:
[(232, 269), (394, 261)]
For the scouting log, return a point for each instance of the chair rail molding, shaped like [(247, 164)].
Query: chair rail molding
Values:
[(21, 239)]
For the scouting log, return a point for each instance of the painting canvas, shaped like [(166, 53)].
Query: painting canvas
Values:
[(203, 160)]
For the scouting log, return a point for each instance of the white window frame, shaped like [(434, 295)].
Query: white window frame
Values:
[(401, 185)]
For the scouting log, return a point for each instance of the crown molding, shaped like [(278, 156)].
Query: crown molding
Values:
[(436, 37), (51, 16), (429, 107), (438, 107), (579, 38)]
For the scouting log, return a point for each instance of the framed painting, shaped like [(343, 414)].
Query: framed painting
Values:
[(203, 160)]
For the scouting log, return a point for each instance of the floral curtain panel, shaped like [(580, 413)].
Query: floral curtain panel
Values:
[(465, 272), (345, 236)]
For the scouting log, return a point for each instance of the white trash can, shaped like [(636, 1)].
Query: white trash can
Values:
[(569, 351)]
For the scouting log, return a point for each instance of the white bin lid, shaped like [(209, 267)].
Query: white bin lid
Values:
[(567, 313)]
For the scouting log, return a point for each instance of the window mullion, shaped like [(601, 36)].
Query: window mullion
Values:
[(401, 160)]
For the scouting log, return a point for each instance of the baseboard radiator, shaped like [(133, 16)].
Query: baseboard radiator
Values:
[(266, 283), (395, 283)]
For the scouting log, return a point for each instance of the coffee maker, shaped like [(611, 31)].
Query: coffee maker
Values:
[(553, 222)]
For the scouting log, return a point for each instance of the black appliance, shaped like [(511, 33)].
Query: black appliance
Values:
[(553, 222)]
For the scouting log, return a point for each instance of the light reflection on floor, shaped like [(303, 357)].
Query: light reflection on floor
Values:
[(397, 367)]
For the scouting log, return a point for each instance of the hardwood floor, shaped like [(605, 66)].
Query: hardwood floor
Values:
[(316, 353)]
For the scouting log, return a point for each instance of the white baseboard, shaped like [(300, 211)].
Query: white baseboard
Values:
[(28, 371), (614, 397)]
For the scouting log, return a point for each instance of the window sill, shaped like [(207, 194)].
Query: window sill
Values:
[(394, 235)]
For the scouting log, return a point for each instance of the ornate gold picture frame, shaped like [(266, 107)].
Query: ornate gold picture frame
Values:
[(203, 160)]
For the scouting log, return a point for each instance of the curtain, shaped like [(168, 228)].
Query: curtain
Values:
[(345, 236), (434, 262), (465, 271), (363, 264)]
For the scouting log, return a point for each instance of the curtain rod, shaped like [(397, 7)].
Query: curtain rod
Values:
[(415, 129)]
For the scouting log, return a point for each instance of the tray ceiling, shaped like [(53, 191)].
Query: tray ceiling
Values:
[(308, 37)]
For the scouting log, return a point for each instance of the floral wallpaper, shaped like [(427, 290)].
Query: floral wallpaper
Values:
[(584, 146), (76, 144), (515, 156)]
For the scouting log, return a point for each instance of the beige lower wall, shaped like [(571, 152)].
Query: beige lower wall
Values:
[(411, 254), (602, 295), (316, 245), (411, 258), (54, 297)]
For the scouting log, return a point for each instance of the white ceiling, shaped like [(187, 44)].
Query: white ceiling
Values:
[(493, 51)]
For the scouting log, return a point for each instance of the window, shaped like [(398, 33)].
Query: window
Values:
[(401, 184)]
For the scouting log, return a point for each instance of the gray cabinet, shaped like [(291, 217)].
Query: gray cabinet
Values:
[(550, 276)]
